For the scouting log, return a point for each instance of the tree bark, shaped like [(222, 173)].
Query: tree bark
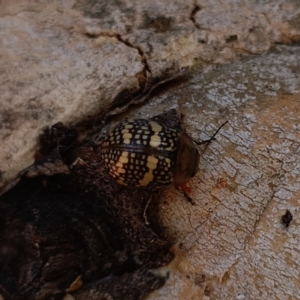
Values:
[(82, 62)]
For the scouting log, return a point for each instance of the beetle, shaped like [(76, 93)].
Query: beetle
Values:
[(144, 153)]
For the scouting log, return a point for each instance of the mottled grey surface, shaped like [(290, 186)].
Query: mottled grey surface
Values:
[(248, 178)]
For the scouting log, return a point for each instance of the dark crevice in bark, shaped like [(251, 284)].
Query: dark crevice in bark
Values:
[(193, 13), (140, 51), (120, 39)]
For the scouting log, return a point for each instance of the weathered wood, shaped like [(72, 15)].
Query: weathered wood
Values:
[(66, 61)]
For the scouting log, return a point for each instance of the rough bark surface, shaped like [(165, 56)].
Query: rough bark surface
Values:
[(76, 61), (233, 243), (67, 60)]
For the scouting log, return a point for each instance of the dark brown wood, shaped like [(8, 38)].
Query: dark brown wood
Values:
[(56, 228)]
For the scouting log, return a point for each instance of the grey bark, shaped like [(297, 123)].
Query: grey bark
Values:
[(68, 61)]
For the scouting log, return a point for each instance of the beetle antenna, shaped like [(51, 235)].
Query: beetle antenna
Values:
[(207, 142)]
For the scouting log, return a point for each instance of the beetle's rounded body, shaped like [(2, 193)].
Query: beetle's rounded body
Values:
[(143, 153)]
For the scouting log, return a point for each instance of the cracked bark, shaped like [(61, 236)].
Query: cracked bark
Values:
[(232, 243), (242, 232)]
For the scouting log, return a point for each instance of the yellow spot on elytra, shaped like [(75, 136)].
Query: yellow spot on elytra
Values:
[(128, 126), (171, 147), (168, 162), (127, 136), (148, 177), (155, 141), (119, 164), (114, 174), (152, 159), (155, 127), (120, 182), (124, 158)]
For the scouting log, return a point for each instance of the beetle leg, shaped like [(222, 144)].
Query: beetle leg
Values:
[(145, 210), (185, 191)]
